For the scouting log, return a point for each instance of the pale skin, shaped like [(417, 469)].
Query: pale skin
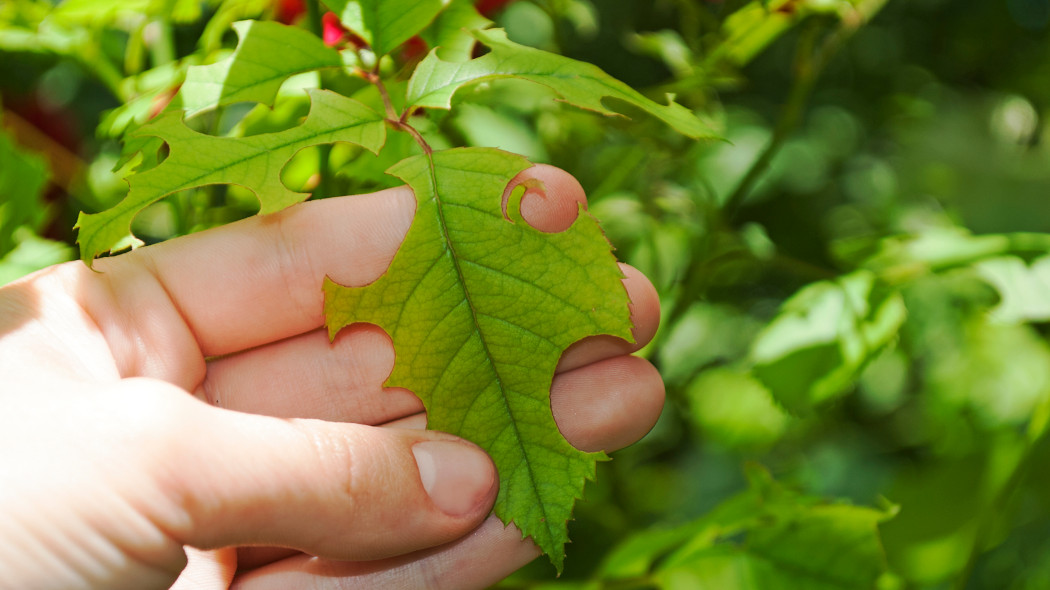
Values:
[(180, 419)]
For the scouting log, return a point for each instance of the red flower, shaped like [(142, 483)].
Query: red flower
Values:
[(334, 31), (489, 8), (413, 49), (288, 10)]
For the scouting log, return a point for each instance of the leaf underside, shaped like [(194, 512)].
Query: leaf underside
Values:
[(480, 307), (254, 162)]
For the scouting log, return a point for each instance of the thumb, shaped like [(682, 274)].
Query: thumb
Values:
[(336, 490)]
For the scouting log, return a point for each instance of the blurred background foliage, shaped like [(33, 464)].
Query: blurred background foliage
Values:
[(855, 286)]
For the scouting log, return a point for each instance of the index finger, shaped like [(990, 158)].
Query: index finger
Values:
[(259, 280)]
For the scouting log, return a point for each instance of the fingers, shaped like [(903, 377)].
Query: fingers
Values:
[(259, 280), (552, 197), (309, 377), (478, 560), (606, 405), (207, 570), (645, 318), (343, 380), (342, 491), (603, 406)]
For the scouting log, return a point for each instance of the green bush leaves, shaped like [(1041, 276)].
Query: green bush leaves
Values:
[(823, 336), (764, 537)]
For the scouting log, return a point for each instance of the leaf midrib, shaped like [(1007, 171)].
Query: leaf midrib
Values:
[(477, 328), (455, 81)]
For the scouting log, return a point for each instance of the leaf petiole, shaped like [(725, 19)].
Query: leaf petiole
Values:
[(398, 122)]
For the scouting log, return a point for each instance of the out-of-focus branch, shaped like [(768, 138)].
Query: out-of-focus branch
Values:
[(67, 168)]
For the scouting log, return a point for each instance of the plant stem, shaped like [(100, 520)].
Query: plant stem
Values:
[(416, 135), (107, 73), (810, 61), (391, 113), (998, 506), (162, 46), (313, 17), (806, 76), (399, 122)]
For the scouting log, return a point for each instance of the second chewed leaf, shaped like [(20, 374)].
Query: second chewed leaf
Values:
[(254, 162), (480, 307), (576, 82)]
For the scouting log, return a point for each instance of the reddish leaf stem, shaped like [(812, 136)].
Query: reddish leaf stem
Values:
[(399, 122)]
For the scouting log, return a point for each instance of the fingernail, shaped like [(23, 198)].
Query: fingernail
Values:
[(456, 476)]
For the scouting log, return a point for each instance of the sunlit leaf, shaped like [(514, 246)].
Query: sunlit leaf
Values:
[(32, 253), (23, 176), (480, 306)]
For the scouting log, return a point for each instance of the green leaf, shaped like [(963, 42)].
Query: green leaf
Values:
[(735, 409), (705, 334), (669, 46), (749, 30), (152, 89), (854, 557), (385, 24), (770, 536), (1023, 287), (581, 84), (95, 11), (635, 556), (480, 306), (824, 336), (767, 536), (244, 77), (938, 249), (834, 547), (994, 374), (451, 31), (31, 254), (22, 179), (752, 29), (484, 126), (255, 162)]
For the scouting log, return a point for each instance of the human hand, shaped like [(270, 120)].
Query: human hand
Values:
[(186, 401)]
